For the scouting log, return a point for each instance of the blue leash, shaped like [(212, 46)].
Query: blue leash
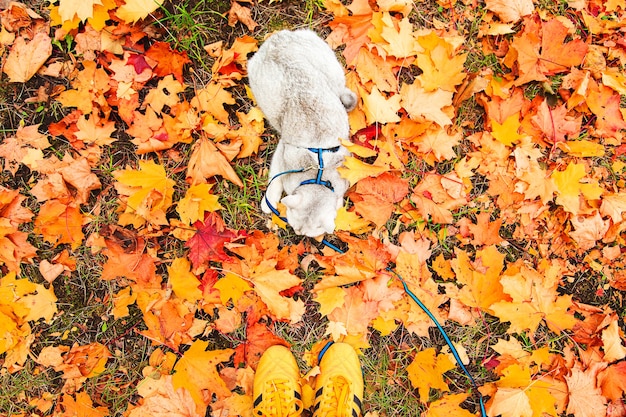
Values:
[(318, 180), (455, 353)]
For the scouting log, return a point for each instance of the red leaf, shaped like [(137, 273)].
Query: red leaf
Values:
[(208, 242)]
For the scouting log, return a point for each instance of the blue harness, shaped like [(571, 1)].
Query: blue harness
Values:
[(317, 180)]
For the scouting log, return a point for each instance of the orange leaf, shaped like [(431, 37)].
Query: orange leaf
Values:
[(426, 372), (59, 223), (82, 406), (207, 161), (26, 58), (375, 198), (197, 372)]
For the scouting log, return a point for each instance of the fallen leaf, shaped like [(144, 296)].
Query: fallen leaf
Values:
[(25, 58)]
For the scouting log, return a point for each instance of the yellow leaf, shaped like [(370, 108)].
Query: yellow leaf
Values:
[(349, 221), (569, 187), (354, 170), (481, 278), (507, 132), (184, 283), (329, 299), (198, 200), (442, 68), (426, 372), (381, 109), (582, 148), (149, 194), (211, 99), (133, 10), (231, 287), (82, 9), (269, 282)]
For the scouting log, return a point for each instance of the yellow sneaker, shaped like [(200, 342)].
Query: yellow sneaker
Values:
[(339, 386), (276, 390)]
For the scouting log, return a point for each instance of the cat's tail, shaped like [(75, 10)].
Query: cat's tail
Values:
[(348, 99)]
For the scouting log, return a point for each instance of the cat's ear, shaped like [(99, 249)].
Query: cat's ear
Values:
[(292, 201)]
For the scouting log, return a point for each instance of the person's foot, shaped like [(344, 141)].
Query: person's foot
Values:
[(277, 391), (339, 386)]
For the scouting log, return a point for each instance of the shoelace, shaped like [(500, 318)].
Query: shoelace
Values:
[(335, 401), (278, 400)]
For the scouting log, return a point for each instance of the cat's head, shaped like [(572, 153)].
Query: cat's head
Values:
[(312, 209)]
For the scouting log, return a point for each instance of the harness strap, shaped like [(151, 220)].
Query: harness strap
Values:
[(317, 180), (320, 159)]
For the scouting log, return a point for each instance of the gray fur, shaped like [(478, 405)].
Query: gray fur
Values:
[(300, 87)]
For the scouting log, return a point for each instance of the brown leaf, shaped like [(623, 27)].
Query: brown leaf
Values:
[(238, 13)]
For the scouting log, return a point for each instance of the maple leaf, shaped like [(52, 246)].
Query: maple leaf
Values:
[(508, 131), (197, 371), (21, 147), (442, 68), (169, 61), (147, 193), (258, 339), (60, 223), (133, 10), (438, 144), (398, 35), (162, 399), (352, 29), (555, 123), (534, 298), (510, 11), (435, 196), (585, 397), (421, 104), (612, 380), (374, 198), (90, 86), (82, 406), (480, 277), (588, 230), (21, 301), (231, 287), (208, 242), (485, 232), (605, 104), (130, 263), (426, 372), (198, 200), (207, 161), (238, 13), (269, 282), (184, 283), (570, 187), (95, 130), (518, 395), (541, 50), (614, 350), (25, 58), (379, 108)]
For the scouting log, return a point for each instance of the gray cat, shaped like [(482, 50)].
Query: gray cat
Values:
[(301, 88)]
